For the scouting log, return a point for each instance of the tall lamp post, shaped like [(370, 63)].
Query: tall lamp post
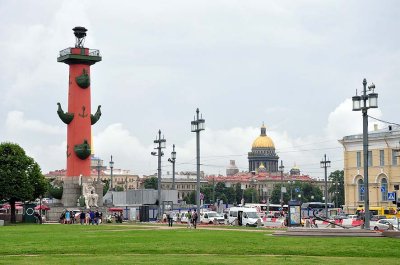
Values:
[(325, 164), (291, 189), (281, 168), (360, 104), (172, 160), (337, 185), (197, 126), (111, 173), (98, 170), (160, 144)]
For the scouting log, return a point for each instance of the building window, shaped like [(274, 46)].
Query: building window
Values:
[(370, 158), (358, 159), (384, 189), (381, 158), (394, 158), (360, 188)]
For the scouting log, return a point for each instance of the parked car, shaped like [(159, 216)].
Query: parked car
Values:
[(211, 217), (383, 224)]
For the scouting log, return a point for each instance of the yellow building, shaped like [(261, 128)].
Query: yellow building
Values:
[(383, 167)]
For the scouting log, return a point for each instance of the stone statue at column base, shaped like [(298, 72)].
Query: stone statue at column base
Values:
[(90, 195)]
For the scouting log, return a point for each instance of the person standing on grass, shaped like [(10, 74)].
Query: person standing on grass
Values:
[(189, 219), (194, 219), (170, 218), (91, 214), (96, 217), (67, 217), (87, 217), (82, 217)]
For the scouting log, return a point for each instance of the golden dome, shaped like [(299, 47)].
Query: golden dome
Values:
[(263, 141)]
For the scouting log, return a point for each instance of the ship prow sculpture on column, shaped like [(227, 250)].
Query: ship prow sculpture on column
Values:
[(78, 118)]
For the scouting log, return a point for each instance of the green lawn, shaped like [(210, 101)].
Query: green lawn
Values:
[(142, 244)]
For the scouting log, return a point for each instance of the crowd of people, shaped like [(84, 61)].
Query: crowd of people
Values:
[(89, 217)]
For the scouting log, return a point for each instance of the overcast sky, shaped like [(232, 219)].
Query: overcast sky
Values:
[(293, 65)]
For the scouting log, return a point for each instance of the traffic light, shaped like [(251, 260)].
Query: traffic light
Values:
[(396, 187)]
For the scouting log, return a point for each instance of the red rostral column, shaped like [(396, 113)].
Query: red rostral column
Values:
[(78, 118)]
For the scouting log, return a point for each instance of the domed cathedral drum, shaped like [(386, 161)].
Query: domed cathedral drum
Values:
[(263, 153)]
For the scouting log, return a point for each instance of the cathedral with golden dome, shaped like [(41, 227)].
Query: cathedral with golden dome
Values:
[(263, 154)]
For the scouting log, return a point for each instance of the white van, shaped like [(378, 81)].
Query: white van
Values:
[(210, 217), (244, 216)]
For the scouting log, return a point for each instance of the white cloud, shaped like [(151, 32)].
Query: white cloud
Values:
[(344, 121), (16, 123)]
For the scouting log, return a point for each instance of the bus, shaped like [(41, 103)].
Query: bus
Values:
[(389, 212), (309, 209)]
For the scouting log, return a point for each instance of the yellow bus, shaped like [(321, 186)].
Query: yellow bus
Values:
[(389, 212)]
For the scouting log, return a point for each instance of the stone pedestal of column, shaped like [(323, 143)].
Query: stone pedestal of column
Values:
[(71, 191)]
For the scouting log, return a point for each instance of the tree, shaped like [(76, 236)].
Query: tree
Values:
[(238, 193), (151, 183), (190, 198), (230, 195), (337, 190), (250, 195), (54, 188), (20, 176), (207, 191), (306, 190), (106, 186)]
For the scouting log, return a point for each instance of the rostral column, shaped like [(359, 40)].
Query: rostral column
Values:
[(79, 119)]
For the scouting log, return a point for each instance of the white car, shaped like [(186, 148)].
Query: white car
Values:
[(383, 224), (211, 217)]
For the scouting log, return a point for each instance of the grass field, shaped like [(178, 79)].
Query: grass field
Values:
[(144, 244)]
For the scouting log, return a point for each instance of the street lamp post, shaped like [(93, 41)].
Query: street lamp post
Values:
[(111, 173), (160, 144), (98, 170), (325, 164), (360, 104), (172, 160), (197, 126), (336, 184), (291, 189), (281, 168)]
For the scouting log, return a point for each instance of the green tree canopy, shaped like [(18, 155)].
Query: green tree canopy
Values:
[(20, 176), (337, 188), (307, 190), (151, 183)]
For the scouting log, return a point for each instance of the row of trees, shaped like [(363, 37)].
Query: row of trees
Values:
[(308, 191)]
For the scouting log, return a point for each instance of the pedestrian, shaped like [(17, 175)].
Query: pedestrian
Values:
[(170, 218), (194, 219), (82, 216), (91, 214), (87, 218), (67, 217), (189, 219), (96, 217), (72, 216)]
